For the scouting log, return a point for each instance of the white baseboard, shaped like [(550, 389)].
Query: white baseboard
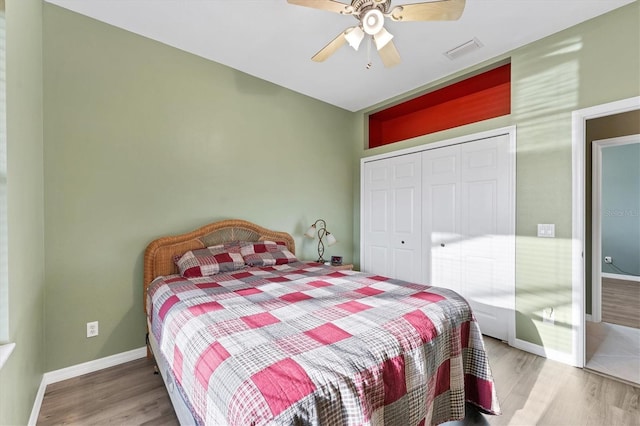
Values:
[(79, 370), (551, 354), (620, 277), (37, 404), (95, 365)]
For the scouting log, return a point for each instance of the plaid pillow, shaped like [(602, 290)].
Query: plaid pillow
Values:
[(209, 261), (262, 247), (270, 258)]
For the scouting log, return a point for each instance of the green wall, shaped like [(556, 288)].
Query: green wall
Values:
[(144, 140), (21, 375), (592, 63)]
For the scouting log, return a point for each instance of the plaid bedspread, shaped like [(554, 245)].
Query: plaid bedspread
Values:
[(303, 344)]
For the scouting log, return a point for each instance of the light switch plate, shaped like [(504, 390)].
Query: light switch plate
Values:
[(546, 230)]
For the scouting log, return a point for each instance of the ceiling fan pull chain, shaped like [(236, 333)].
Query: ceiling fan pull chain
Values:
[(369, 62)]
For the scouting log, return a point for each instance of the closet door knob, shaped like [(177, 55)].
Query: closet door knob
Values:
[(402, 242), (441, 244)]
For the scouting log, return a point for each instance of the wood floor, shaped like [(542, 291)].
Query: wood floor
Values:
[(127, 394), (531, 390), (621, 302)]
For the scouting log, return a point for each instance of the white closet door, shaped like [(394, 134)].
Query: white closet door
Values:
[(467, 217), (441, 217), (392, 217), (485, 222)]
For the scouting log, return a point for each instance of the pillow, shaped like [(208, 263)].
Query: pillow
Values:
[(209, 261), (262, 247), (270, 258), (230, 246)]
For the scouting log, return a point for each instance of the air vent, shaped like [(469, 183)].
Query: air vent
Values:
[(463, 49)]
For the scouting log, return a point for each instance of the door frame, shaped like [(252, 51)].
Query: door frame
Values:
[(596, 218), (509, 130), (578, 231)]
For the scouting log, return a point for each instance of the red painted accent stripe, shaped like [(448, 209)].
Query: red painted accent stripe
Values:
[(484, 96)]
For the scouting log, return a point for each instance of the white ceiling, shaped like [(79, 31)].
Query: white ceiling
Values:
[(274, 40)]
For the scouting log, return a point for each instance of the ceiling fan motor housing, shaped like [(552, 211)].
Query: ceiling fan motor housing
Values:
[(371, 14), (361, 6), (372, 21)]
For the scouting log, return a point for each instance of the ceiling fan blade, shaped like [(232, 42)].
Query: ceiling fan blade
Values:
[(331, 47), (389, 54), (443, 10), (328, 5)]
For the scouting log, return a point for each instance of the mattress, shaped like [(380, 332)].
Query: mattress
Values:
[(176, 393), (301, 343)]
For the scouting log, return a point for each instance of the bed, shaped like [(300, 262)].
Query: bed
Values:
[(244, 333)]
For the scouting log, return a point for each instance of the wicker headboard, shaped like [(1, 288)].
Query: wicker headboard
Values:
[(159, 255)]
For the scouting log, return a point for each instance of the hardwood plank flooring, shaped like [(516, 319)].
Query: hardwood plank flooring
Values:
[(536, 391), (127, 394), (621, 302), (532, 391)]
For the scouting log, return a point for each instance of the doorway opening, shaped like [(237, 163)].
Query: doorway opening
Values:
[(613, 331), (607, 121)]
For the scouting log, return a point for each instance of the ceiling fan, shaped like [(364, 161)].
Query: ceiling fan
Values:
[(371, 14)]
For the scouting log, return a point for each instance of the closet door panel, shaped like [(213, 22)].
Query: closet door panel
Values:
[(376, 218), (405, 217), (392, 217), (484, 222), (440, 215)]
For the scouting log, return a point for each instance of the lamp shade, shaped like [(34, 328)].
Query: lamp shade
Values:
[(354, 37), (311, 232), (331, 240)]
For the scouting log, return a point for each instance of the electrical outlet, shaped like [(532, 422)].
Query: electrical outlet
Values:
[(92, 329), (608, 259), (548, 316)]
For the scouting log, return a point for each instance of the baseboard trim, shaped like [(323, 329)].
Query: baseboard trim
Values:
[(551, 354), (620, 277), (95, 365), (79, 370), (37, 404)]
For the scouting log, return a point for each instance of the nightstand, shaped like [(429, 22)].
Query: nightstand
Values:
[(345, 267)]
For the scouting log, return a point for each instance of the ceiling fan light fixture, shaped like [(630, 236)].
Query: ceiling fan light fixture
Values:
[(371, 15), (373, 21), (354, 37), (382, 38)]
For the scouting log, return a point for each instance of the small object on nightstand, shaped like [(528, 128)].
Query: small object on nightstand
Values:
[(336, 260)]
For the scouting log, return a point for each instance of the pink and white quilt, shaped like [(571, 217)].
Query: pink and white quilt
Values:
[(303, 344)]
